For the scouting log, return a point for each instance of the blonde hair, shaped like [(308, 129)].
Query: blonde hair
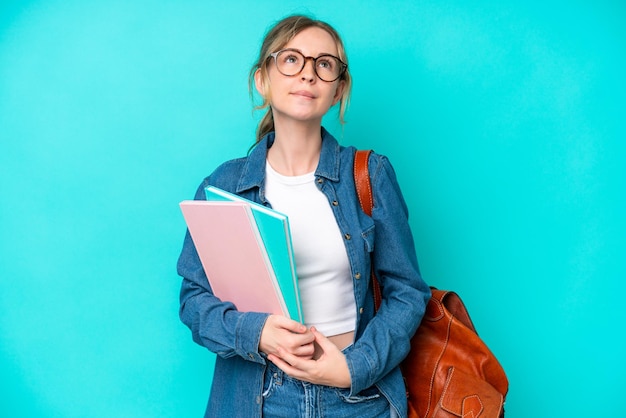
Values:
[(275, 39)]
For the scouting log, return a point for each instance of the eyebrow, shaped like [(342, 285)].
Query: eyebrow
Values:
[(319, 55)]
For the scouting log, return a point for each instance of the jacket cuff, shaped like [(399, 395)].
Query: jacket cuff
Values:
[(359, 364), (248, 336)]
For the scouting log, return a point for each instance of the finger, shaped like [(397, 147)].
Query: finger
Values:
[(324, 343), (295, 343), (287, 366), (304, 338), (290, 325), (305, 351), (291, 359)]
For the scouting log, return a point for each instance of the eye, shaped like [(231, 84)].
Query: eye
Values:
[(325, 63), (290, 58)]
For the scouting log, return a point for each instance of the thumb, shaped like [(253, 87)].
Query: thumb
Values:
[(322, 341)]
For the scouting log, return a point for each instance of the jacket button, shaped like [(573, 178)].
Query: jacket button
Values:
[(347, 236), (320, 180), (357, 276), (335, 203), (361, 310)]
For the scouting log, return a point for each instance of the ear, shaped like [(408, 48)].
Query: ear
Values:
[(259, 82), (340, 87)]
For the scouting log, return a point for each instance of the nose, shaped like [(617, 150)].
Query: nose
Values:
[(308, 72)]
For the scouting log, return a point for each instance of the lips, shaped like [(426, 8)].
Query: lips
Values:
[(304, 93)]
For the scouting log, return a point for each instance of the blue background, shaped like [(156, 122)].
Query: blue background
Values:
[(505, 122)]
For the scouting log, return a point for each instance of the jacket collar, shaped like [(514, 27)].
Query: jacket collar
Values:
[(253, 174)]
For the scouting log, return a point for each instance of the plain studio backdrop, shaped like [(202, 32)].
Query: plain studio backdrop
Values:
[(505, 121)]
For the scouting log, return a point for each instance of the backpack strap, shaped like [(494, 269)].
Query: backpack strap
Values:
[(362, 180), (366, 199)]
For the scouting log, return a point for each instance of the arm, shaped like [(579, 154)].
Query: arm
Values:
[(222, 329), (386, 339)]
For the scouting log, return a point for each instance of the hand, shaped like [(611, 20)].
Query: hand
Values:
[(330, 368), (280, 332)]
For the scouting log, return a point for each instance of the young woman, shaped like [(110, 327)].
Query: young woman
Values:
[(344, 361)]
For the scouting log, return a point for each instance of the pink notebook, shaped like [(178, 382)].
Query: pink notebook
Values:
[(233, 255)]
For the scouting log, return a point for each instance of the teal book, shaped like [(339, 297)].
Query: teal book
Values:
[(276, 235)]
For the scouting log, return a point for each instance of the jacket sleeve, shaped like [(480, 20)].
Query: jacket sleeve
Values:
[(214, 324), (385, 341)]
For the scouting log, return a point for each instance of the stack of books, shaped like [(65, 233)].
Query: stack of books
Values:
[(246, 251)]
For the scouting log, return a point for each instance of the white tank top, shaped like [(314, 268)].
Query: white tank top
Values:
[(322, 264)]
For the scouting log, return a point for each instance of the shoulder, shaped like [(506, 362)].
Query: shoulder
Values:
[(384, 182), (226, 176), (227, 172), (378, 164), (241, 174)]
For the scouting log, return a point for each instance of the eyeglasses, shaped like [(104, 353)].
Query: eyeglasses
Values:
[(291, 62)]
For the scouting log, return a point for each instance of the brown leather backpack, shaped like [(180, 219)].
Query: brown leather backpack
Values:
[(449, 372)]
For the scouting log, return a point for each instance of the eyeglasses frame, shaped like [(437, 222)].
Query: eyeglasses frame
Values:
[(344, 66)]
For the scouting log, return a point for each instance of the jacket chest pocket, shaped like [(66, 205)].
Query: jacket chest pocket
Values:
[(368, 238)]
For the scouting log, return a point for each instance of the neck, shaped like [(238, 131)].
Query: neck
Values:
[(296, 148)]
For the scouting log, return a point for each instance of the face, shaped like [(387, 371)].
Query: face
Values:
[(302, 97)]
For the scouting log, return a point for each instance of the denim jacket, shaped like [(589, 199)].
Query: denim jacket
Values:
[(381, 340)]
